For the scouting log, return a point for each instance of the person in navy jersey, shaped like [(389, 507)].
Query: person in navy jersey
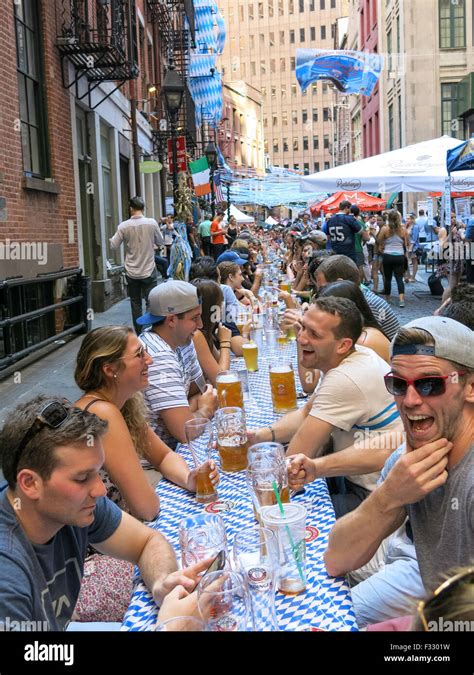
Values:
[(341, 229)]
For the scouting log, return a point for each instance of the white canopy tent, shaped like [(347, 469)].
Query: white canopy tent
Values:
[(239, 215), (271, 221), (416, 168)]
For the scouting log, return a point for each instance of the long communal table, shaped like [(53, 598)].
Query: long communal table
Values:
[(326, 603)]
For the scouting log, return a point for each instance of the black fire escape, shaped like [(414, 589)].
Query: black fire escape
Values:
[(175, 42), (99, 38)]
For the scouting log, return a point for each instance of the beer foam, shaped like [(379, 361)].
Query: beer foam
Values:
[(227, 379), (281, 369), (252, 345)]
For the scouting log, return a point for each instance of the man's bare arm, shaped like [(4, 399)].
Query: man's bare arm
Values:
[(355, 538)]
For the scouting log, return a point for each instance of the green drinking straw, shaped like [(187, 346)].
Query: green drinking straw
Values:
[(293, 547)]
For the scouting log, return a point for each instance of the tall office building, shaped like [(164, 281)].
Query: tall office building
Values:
[(262, 38), (426, 84)]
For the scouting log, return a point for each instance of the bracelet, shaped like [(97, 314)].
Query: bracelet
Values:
[(224, 343), (225, 346), (272, 431)]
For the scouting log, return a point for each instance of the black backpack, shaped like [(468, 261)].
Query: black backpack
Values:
[(436, 287)]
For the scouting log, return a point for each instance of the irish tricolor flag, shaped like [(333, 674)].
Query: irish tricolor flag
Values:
[(200, 174)]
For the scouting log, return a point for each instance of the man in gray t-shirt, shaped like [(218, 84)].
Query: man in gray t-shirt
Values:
[(53, 507), (432, 482)]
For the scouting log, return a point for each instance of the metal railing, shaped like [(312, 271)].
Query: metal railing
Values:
[(31, 317)]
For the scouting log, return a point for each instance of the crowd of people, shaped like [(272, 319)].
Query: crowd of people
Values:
[(81, 478)]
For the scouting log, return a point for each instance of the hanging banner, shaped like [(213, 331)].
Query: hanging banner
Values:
[(462, 208), (351, 72), (447, 205), (180, 154), (429, 211), (461, 157)]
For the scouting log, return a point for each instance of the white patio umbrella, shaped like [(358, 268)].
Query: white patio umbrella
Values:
[(416, 168), (240, 216)]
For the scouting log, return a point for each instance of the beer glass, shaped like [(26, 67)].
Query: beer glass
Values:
[(201, 536), (291, 334), (242, 318), (223, 601), (283, 388), (261, 476), (284, 284), (282, 338), (250, 353), (229, 391), (268, 453), (256, 335), (231, 438), (199, 437), (271, 338), (256, 557), (266, 449)]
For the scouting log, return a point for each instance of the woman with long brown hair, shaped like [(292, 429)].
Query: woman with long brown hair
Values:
[(393, 243), (213, 341), (112, 370)]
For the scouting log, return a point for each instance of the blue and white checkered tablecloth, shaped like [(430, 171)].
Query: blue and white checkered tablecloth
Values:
[(326, 604)]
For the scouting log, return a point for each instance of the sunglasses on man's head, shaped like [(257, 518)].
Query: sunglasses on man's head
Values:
[(431, 385), (53, 415), (464, 577)]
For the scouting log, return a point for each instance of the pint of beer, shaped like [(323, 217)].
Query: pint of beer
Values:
[(199, 436), (282, 383), (282, 338), (229, 389), (291, 333), (232, 441), (250, 352)]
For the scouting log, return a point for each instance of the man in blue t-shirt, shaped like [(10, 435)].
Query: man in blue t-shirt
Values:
[(341, 229), (53, 506)]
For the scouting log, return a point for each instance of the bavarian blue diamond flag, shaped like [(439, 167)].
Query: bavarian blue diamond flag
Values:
[(351, 72)]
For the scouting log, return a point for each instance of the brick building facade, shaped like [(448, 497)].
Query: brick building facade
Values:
[(68, 160), (38, 193)]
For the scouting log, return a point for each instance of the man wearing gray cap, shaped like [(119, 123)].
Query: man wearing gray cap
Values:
[(177, 391), (431, 480)]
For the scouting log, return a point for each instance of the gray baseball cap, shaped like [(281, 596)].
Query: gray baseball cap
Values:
[(452, 340), (170, 297)]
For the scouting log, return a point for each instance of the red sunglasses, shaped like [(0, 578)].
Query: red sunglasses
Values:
[(432, 385)]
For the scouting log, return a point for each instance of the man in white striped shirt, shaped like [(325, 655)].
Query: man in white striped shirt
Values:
[(177, 391)]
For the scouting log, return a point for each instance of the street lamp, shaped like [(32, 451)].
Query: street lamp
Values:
[(211, 154), (173, 91)]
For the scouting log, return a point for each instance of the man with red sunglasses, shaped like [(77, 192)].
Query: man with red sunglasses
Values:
[(431, 480)]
